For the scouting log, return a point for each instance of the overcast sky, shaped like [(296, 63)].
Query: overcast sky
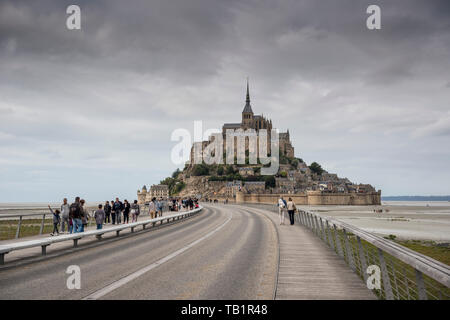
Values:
[(90, 112)]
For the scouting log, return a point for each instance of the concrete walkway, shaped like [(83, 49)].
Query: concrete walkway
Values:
[(309, 269)]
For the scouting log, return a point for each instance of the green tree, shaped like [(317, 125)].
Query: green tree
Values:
[(316, 168), (283, 174), (200, 170), (176, 173), (229, 170), (270, 181)]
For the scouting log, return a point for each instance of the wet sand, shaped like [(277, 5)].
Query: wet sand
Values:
[(407, 221)]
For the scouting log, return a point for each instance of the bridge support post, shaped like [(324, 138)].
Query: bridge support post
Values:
[(324, 232), (385, 275), (42, 224), (338, 242), (117, 233), (75, 243), (319, 229), (349, 251), (132, 229), (2, 258), (311, 223), (18, 227), (420, 286), (330, 239), (362, 258), (44, 249)]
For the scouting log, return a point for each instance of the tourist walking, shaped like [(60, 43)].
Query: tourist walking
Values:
[(281, 209), (56, 220), (117, 211), (291, 209), (99, 217), (107, 209), (75, 215), (135, 211), (84, 215), (126, 211), (65, 219), (152, 208), (159, 207)]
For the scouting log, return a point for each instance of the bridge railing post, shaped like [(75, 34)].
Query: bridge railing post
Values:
[(420, 285), (324, 232), (385, 276), (330, 238), (362, 259), (19, 224), (338, 242), (42, 224), (349, 250)]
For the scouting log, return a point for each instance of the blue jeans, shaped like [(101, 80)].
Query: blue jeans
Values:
[(77, 225), (99, 226)]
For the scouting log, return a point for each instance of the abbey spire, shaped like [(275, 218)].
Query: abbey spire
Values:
[(248, 107)]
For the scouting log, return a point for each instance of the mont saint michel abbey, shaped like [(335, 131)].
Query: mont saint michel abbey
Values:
[(249, 120), (307, 185)]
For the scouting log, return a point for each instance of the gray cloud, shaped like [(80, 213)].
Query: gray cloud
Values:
[(97, 106)]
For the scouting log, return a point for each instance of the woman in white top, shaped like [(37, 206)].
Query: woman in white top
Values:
[(152, 208), (281, 209)]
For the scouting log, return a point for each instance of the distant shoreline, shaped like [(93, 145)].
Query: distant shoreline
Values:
[(415, 198)]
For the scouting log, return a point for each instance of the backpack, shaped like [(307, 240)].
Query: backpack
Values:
[(75, 211)]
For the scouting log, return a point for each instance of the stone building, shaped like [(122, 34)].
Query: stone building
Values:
[(255, 187), (232, 187), (157, 191), (246, 171)]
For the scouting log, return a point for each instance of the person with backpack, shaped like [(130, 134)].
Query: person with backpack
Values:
[(135, 211), (107, 209), (291, 209), (117, 210), (65, 219), (281, 209), (56, 220), (84, 215), (75, 215)]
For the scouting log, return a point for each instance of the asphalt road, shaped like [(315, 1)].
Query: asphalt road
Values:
[(226, 252)]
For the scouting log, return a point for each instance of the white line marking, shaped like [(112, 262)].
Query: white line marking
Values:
[(117, 284)]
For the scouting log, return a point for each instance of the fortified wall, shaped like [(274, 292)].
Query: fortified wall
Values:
[(315, 198)]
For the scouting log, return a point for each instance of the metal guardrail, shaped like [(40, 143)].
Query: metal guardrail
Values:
[(405, 274), (45, 242)]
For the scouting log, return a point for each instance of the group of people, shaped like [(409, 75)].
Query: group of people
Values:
[(76, 216), (284, 206)]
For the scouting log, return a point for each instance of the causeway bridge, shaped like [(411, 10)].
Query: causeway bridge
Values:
[(221, 252)]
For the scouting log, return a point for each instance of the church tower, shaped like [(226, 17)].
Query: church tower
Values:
[(247, 113)]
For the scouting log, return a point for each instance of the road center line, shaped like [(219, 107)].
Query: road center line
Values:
[(117, 284)]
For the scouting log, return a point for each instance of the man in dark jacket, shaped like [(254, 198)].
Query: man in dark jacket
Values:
[(75, 215), (107, 210), (117, 209)]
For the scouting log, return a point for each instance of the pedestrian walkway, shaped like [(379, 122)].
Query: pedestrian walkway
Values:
[(309, 269)]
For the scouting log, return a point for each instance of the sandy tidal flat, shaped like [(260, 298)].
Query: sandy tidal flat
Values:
[(415, 220)]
